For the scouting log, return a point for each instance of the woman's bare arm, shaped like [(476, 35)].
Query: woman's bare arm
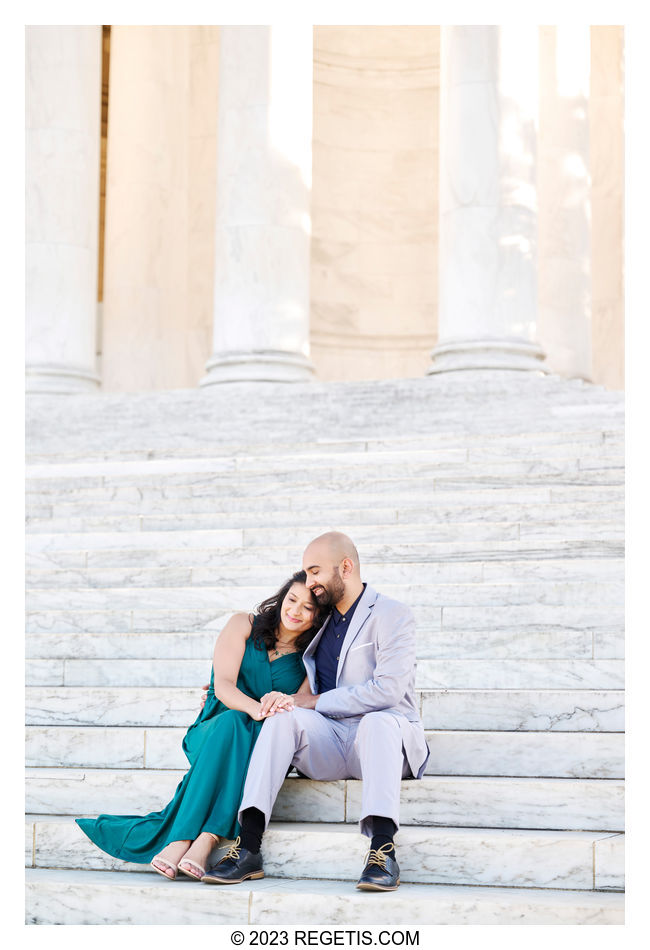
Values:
[(226, 662)]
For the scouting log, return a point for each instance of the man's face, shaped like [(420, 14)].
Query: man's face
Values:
[(323, 578)]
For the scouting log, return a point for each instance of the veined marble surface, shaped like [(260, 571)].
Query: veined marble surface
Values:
[(559, 754), (544, 710), (106, 706), (125, 646), (510, 710), (91, 747), (610, 862), (427, 855), (552, 804), (544, 643), (544, 571), (571, 594), (103, 897)]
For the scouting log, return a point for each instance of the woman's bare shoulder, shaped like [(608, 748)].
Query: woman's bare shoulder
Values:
[(239, 623)]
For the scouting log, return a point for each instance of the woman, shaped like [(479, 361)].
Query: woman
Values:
[(257, 661)]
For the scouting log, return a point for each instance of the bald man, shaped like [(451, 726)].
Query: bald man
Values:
[(359, 718)]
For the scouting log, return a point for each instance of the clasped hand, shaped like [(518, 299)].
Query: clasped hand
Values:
[(274, 702), (270, 703)]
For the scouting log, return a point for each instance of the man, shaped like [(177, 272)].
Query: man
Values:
[(359, 721)]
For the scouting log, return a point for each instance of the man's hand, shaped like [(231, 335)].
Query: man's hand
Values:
[(305, 700), (204, 695)]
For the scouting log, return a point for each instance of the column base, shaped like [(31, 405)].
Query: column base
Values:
[(486, 354), (60, 379), (263, 366)]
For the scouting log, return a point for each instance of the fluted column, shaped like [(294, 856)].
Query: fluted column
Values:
[(488, 206), (63, 114), (261, 295)]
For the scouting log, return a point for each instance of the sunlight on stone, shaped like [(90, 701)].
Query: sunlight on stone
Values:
[(518, 51), (288, 136), (572, 54), (574, 166)]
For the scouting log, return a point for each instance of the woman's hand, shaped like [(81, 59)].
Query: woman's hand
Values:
[(274, 702)]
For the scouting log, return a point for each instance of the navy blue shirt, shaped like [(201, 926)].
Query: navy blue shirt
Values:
[(328, 650)]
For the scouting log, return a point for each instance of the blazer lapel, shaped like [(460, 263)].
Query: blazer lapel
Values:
[(361, 614), (308, 655)]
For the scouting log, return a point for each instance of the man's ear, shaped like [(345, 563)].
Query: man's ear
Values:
[(347, 567)]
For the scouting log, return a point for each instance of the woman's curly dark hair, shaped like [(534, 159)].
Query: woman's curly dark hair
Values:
[(266, 619)]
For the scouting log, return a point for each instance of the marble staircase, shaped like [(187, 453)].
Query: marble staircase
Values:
[(492, 503)]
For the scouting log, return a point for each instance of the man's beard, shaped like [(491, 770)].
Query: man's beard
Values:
[(332, 592), (324, 598)]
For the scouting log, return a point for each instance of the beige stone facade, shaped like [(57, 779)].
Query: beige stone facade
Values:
[(368, 205)]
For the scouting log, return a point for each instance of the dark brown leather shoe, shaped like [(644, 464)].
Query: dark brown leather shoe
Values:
[(236, 866), (381, 872)]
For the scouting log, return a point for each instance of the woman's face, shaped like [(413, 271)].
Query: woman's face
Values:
[(297, 611)]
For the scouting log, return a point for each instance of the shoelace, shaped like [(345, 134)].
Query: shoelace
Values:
[(233, 852), (378, 856)]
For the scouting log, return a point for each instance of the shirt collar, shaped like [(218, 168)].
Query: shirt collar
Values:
[(338, 616)]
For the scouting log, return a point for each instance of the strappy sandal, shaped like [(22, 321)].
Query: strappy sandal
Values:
[(174, 867), (185, 868), (189, 864)]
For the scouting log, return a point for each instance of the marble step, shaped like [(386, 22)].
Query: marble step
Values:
[(609, 430), (466, 673), (212, 548), (207, 531), (551, 804), (419, 592), (294, 465), (576, 860), (389, 507), (536, 642), (136, 557), (104, 897), (332, 504), (52, 441), (371, 472), (177, 426), (421, 506), (72, 489), (571, 637), (480, 402), (411, 572), (605, 624), (280, 456), (542, 711), (272, 476), (582, 755)]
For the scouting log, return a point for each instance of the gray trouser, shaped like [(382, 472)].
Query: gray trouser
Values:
[(368, 747)]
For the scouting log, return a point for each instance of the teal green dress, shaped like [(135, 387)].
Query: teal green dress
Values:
[(218, 746)]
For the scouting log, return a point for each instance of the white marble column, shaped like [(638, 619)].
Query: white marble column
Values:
[(565, 200), (146, 325), (263, 225), (63, 114), (488, 204)]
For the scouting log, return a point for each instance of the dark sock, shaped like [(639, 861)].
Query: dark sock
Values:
[(252, 829), (383, 830)]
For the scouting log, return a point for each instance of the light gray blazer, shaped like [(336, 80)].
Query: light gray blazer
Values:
[(376, 671)]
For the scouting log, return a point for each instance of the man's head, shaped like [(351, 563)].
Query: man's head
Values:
[(331, 563)]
